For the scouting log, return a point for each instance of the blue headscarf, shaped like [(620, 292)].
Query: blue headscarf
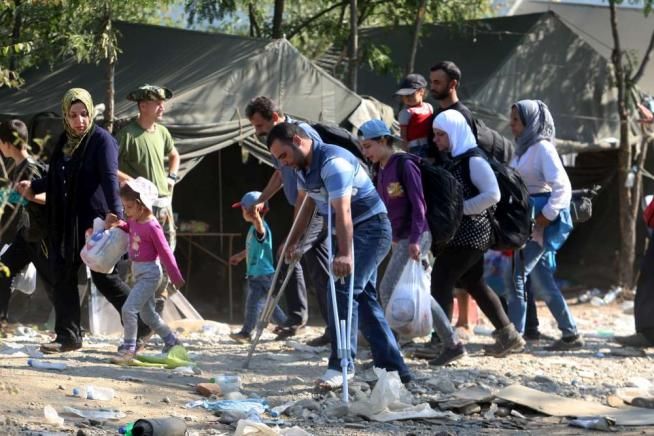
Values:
[(538, 122)]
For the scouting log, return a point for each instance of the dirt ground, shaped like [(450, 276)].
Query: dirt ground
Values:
[(282, 372)]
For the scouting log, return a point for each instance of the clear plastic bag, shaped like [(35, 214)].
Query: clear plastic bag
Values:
[(409, 309)]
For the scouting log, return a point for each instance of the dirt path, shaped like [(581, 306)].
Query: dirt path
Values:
[(279, 373)]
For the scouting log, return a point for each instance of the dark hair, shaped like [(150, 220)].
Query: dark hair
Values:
[(128, 193), (453, 72), (14, 132), (284, 132), (263, 106)]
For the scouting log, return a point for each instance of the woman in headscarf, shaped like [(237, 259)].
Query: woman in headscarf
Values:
[(399, 185), (462, 261), (81, 185), (549, 187)]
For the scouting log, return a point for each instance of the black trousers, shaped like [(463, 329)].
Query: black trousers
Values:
[(312, 270), (67, 303), (466, 267), (20, 254)]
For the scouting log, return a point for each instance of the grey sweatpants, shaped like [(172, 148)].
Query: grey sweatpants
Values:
[(397, 263), (147, 277)]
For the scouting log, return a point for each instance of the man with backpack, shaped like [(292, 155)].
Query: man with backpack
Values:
[(264, 114)]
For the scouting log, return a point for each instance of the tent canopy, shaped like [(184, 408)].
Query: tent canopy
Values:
[(213, 76)]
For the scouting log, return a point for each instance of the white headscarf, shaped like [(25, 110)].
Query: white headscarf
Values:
[(455, 125)]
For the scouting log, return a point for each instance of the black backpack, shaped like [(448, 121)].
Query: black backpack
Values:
[(443, 196), (494, 144), (512, 220), (332, 134)]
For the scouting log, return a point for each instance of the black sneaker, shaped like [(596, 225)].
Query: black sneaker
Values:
[(566, 344), (60, 347), (536, 337), (241, 337), (637, 340), (449, 355), (320, 341)]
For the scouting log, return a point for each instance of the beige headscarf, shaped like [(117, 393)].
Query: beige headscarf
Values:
[(74, 139)]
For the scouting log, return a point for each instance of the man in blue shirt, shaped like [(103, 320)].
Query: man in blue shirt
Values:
[(330, 173), (264, 115)]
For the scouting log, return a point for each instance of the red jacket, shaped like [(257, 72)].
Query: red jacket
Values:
[(648, 215)]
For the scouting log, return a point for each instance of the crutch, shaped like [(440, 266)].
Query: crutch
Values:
[(272, 299), (343, 327)]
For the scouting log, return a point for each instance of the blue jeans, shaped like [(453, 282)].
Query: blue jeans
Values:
[(372, 241), (532, 264), (255, 301)]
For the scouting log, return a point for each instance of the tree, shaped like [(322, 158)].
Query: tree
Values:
[(630, 161)]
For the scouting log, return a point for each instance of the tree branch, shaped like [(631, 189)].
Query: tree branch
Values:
[(310, 20), (643, 63)]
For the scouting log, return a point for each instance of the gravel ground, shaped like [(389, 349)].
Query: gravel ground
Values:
[(282, 372)]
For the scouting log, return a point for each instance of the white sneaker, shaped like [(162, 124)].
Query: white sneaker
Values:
[(333, 379)]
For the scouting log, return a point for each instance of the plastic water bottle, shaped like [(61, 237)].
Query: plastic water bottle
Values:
[(612, 295), (44, 364), (91, 392), (227, 383), (126, 429)]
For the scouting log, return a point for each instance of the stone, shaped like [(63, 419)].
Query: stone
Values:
[(336, 411), (647, 403), (165, 400), (307, 403), (470, 409), (614, 401), (442, 384), (502, 412), (208, 389)]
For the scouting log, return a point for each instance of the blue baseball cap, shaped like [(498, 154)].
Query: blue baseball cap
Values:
[(248, 200), (376, 128)]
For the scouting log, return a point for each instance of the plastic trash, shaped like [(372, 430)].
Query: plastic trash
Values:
[(44, 364), (96, 414), (126, 429), (166, 426), (253, 416), (604, 333), (25, 281), (482, 330), (91, 392), (588, 295), (104, 248), (612, 295), (184, 370), (244, 406), (52, 417), (227, 383)]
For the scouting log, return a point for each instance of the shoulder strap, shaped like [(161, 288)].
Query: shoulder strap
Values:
[(401, 164)]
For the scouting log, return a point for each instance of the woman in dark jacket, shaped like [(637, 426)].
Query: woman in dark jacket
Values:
[(81, 185)]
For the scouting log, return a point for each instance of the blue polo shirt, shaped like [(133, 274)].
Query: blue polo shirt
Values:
[(335, 172), (289, 179)]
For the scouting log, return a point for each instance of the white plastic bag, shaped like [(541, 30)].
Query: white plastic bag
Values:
[(24, 281), (104, 248), (409, 310)]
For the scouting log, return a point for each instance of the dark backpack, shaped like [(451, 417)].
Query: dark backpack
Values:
[(36, 228), (494, 144), (443, 196), (512, 220), (332, 134)]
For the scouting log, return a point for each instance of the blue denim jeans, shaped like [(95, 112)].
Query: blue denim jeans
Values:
[(532, 264), (372, 241), (255, 301)]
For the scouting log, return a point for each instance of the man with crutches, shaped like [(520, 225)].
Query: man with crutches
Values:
[(311, 269), (338, 186)]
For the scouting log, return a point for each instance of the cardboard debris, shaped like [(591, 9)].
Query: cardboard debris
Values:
[(466, 397), (555, 405)]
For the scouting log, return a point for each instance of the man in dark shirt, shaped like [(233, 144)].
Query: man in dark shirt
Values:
[(444, 78)]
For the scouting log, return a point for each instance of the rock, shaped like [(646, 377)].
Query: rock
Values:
[(543, 379), (81, 432), (208, 389), (61, 388), (614, 401), (231, 417), (307, 403), (502, 412), (96, 423), (336, 411), (470, 409), (442, 384), (647, 403), (165, 400)]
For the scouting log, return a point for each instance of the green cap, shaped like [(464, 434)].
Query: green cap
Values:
[(150, 92)]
